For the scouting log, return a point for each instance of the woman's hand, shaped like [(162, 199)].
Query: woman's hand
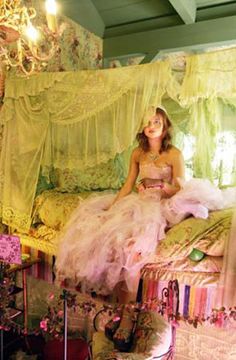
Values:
[(140, 187)]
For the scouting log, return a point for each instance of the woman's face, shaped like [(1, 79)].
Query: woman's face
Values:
[(154, 127)]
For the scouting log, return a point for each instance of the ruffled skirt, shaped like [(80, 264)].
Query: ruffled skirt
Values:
[(101, 247)]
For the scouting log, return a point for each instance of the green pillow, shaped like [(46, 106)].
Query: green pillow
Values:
[(196, 255)]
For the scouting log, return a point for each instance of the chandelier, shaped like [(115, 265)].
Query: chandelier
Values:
[(23, 45)]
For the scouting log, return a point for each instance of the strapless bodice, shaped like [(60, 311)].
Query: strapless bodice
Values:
[(151, 171)]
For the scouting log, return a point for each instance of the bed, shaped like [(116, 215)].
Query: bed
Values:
[(197, 272), (197, 278)]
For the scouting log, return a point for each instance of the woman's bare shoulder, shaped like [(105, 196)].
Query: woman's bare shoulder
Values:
[(137, 153), (174, 151)]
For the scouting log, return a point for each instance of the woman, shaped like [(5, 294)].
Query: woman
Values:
[(110, 238)]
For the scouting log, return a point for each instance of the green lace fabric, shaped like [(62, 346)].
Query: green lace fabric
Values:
[(73, 121)]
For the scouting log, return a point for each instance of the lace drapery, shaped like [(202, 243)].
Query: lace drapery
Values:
[(76, 120), (71, 121)]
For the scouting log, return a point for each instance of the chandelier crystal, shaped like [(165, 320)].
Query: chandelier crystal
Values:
[(22, 45)]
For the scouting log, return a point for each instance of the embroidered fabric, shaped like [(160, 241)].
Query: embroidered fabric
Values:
[(152, 171)]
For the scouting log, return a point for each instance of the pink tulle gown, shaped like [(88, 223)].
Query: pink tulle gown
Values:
[(101, 247)]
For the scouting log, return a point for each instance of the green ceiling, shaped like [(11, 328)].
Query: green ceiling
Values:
[(149, 27)]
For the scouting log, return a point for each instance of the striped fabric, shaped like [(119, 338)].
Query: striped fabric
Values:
[(42, 270), (193, 301)]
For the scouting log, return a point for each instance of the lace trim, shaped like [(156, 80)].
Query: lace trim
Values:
[(38, 244), (17, 87), (15, 219)]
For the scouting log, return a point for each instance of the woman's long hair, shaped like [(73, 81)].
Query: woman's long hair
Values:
[(166, 141)]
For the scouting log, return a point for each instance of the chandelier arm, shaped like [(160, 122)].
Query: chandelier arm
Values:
[(16, 50)]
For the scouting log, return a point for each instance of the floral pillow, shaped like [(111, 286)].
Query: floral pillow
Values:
[(54, 209), (153, 334), (152, 338), (207, 235), (209, 264), (103, 349), (104, 176)]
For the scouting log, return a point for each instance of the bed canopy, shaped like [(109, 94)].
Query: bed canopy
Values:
[(82, 119)]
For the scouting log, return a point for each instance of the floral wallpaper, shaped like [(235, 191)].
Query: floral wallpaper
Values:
[(127, 61), (78, 48)]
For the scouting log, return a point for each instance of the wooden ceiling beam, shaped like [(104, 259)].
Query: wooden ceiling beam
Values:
[(197, 35), (186, 10)]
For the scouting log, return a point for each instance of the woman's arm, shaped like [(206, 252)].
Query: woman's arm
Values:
[(132, 175), (178, 171)]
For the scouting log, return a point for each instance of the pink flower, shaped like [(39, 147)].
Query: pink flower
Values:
[(60, 313), (116, 318), (51, 296), (43, 325)]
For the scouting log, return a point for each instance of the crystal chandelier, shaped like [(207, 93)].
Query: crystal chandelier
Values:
[(22, 45)]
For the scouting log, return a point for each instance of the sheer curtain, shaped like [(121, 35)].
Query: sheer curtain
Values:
[(72, 120)]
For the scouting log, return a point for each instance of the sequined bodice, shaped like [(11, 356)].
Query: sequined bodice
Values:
[(152, 171)]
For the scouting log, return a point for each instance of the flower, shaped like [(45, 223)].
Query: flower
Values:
[(43, 325), (51, 296)]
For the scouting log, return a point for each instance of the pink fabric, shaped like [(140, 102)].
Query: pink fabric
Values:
[(103, 247), (151, 171)]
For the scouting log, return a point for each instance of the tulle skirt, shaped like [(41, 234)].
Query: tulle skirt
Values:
[(102, 245)]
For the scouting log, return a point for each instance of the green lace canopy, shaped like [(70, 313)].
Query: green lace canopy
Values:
[(75, 121)]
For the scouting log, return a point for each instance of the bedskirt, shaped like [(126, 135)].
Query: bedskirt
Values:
[(194, 300)]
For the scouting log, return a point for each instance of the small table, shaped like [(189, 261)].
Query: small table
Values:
[(13, 269), (23, 267)]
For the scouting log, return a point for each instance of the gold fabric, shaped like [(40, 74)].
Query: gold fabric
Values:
[(48, 247), (191, 278)]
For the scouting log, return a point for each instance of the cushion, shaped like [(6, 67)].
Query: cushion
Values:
[(101, 343), (207, 235), (153, 334), (109, 175), (53, 208), (208, 264), (43, 232)]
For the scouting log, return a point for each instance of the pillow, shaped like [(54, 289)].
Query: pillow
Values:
[(43, 184), (153, 334), (207, 235), (101, 343), (208, 264), (54, 209), (43, 232), (104, 176)]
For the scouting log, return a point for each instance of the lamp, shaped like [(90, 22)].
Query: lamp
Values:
[(22, 45)]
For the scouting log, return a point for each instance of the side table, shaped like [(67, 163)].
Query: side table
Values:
[(13, 270)]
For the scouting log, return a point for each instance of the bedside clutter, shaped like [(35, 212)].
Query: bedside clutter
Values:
[(152, 338)]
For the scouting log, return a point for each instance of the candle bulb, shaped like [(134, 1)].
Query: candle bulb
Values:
[(51, 11), (32, 35)]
